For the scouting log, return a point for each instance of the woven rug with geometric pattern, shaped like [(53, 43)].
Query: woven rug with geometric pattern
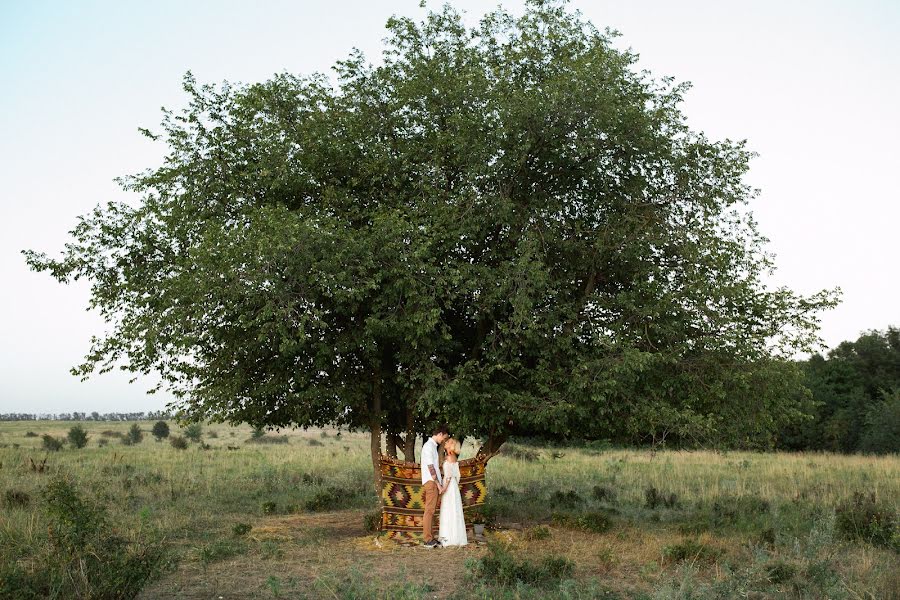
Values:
[(401, 494)]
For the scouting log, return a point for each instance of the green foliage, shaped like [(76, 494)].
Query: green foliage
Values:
[(77, 437), (500, 567), (855, 397), (160, 430), (690, 550), (134, 435), (654, 498), (863, 517), (372, 521), (85, 557), (241, 529), (510, 227), (30, 434), (16, 499), (178, 442), (193, 432), (592, 521), (52, 444), (268, 439)]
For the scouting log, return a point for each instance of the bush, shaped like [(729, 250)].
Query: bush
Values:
[(193, 432), (30, 434), (52, 444), (604, 494), (569, 498), (85, 557), (102, 442), (313, 442), (178, 442), (160, 430), (269, 508), (519, 453), (500, 567), (594, 522), (537, 533), (16, 498), (327, 499), (372, 521), (689, 550), (862, 517), (241, 529), (882, 432), (134, 435), (78, 437), (654, 498), (111, 433), (268, 439)]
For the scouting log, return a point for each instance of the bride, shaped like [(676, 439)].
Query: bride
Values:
[(452, 529)]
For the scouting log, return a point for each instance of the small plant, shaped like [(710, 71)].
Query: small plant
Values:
[(102, 442), (16, 498), (178, 442), (568, 498), (134, 435), (241, 529), (211, 434), (779, 571), (269, 508), (52, 444), (257, 433), (30, 434), (160, 430), (594, 522), (193, 432), (77, 437), (314, 442), (268, 439), (604, 494), (654, 498), (372, 521), (111, 433), (323, 435), (862, 517), (327, 499), (689, 550), (500, 567)]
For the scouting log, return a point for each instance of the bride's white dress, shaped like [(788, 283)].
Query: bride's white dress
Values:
[(452, 529)]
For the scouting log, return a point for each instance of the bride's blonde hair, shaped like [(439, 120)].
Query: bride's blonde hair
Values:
[(452, 445)]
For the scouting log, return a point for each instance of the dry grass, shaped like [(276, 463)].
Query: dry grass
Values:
[(197, 496)]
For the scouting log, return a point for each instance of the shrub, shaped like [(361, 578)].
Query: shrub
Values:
[(604, 494), (327, 499), (372, 521), (85, 557), (654, 498), (134, 435), (16, 498), (594, 522), (78, 437), (313, 442), (269, 508), (52, 444), (689, 550), (30, 434), (241, 529), (258, 432), (110, 433), (102, 442), (193, 432), (568, 499), (862, 517), (178, 442), (212, 435), (160, 430), (500, 567)]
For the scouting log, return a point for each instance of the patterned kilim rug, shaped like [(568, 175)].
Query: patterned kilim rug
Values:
[(401, 492)]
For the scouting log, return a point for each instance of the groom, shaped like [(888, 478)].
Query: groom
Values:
[(432, 481)]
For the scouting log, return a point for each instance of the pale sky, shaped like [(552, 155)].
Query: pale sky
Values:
[(813, 86)]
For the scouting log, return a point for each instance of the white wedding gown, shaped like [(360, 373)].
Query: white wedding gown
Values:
[(452, 529)]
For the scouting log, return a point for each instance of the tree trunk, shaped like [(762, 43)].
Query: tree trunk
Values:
[(491, 447), (392, 440), (409, 442), (375, 431)]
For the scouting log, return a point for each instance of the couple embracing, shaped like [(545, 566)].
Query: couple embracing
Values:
[(442, 489)]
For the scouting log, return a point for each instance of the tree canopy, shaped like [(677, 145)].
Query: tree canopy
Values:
[(507, 227)]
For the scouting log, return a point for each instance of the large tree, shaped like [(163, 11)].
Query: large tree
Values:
[(508, 227)]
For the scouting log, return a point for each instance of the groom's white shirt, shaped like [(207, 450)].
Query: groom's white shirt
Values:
[(430, 457)]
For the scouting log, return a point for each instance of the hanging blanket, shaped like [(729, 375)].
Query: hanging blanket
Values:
[(401, 493)]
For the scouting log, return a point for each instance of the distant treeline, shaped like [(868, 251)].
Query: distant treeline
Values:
[(855, 404), (80, 416)]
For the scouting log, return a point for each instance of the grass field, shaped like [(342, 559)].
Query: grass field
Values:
[(240, 519)]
